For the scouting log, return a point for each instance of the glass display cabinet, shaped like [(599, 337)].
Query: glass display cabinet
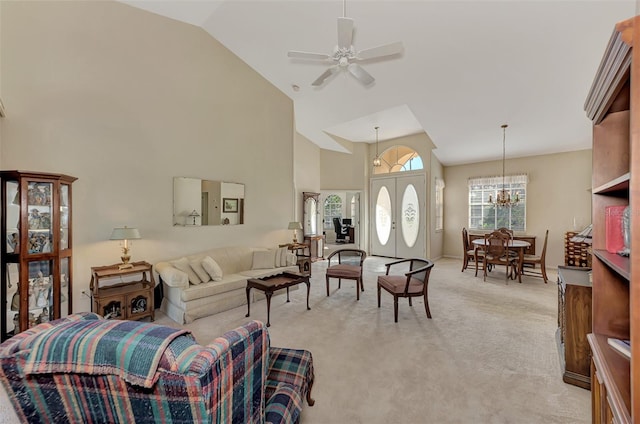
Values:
[(37, 249)]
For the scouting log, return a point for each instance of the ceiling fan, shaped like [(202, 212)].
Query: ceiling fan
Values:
[(345, 56)]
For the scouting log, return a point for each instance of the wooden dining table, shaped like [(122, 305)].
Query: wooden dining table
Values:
[(517, 245)]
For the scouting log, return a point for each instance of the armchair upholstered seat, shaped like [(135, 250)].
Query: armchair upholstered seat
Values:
[(347, 264), (411, 284)]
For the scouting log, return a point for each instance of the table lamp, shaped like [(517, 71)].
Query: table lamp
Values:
[(295, 226), (125, 234), (194, 215)]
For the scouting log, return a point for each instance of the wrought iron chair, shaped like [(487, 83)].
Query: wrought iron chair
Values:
[(411, 284)]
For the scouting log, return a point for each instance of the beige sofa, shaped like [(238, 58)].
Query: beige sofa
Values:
[(184, 301)]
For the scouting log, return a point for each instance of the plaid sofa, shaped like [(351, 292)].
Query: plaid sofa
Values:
[(85, 369)]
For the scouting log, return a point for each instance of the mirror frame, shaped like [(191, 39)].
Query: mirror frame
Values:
[(308, 228)]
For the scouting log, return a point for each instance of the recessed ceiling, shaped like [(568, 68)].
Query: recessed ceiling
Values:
[(467, 67)]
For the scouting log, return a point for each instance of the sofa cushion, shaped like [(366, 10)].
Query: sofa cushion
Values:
[(183, 265), (197, 267), (212, 288), (212, 268), (264, 259)]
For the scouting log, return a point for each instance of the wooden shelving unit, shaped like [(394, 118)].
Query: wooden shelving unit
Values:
[(614, 96)]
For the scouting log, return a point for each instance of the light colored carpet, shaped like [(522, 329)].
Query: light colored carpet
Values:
[(487, 356)]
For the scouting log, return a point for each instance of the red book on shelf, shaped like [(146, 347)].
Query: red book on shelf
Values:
[(613, 228)]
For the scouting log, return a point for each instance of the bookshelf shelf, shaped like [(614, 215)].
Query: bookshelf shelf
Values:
[(620, 184), (617, 263)]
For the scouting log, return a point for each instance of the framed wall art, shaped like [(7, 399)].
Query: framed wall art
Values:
[(229, 205)]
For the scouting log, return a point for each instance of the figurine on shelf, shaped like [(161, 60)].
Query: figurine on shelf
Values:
[(34, 219), (33, 320), (13, 243), (44, 316)]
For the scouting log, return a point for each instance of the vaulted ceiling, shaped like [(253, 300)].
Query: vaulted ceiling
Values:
[(467, 67)]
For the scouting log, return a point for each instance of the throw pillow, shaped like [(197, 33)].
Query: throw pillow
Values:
[(199, 270), (263, 259), (183, 265), (212, 268), (281, 257)]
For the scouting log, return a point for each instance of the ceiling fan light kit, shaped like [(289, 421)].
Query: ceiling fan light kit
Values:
[(345, 56)]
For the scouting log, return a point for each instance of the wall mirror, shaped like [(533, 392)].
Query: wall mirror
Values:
[(199, 202), (310, 213)]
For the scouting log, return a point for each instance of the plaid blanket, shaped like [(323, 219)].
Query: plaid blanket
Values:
[(129, 349)]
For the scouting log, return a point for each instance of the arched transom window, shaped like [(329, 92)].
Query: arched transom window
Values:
[(398, 159)]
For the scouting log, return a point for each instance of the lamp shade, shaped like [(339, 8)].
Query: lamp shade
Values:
[(125, 233), (295, 226)]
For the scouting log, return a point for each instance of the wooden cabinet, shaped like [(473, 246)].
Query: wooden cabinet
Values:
[(36, 249), (614, 95), (316, 247), (122, 295), (574, 323)]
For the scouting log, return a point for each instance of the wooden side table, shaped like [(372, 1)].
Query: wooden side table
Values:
[(131, 300), (303, 259)]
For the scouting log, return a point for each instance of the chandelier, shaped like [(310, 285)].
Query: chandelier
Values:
[(376, 161), (503, 198)]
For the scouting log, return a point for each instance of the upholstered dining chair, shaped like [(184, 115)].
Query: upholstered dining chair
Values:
[(468, 253), (347, 265), (534, 260), (410, 284), (496, 252)]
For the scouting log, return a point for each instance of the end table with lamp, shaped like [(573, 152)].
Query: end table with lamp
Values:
[(116, 290)]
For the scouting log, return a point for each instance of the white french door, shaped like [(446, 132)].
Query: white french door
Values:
[(398, 217)]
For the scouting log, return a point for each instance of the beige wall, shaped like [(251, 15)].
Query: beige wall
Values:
[(558, 192), (306, 170), (125, 100), (436, 241)]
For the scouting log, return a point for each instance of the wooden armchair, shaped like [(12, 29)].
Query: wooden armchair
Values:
[(347, 264), (469, 253), (534, 260), (411, 284), (496, 252)]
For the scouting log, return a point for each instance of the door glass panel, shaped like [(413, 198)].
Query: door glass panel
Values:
[(64, 216), (383, 216), (410, 221), (39, 210)]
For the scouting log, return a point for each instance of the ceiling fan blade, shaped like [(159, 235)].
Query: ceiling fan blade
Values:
[(363, 76), (345, 32), (307, 55), (381, 51), (326, 74)]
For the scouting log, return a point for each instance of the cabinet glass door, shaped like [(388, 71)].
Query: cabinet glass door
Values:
[(64, 287), (65, 209), (39, 204), (40, 292), (12, 217), (13, 300)]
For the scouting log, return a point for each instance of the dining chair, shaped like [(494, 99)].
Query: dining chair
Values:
[(410, 284), (469, 252), (534, 260), (347, 265), (496, 252)]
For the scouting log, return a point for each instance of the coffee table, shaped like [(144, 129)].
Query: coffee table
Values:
[(268, 285)]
